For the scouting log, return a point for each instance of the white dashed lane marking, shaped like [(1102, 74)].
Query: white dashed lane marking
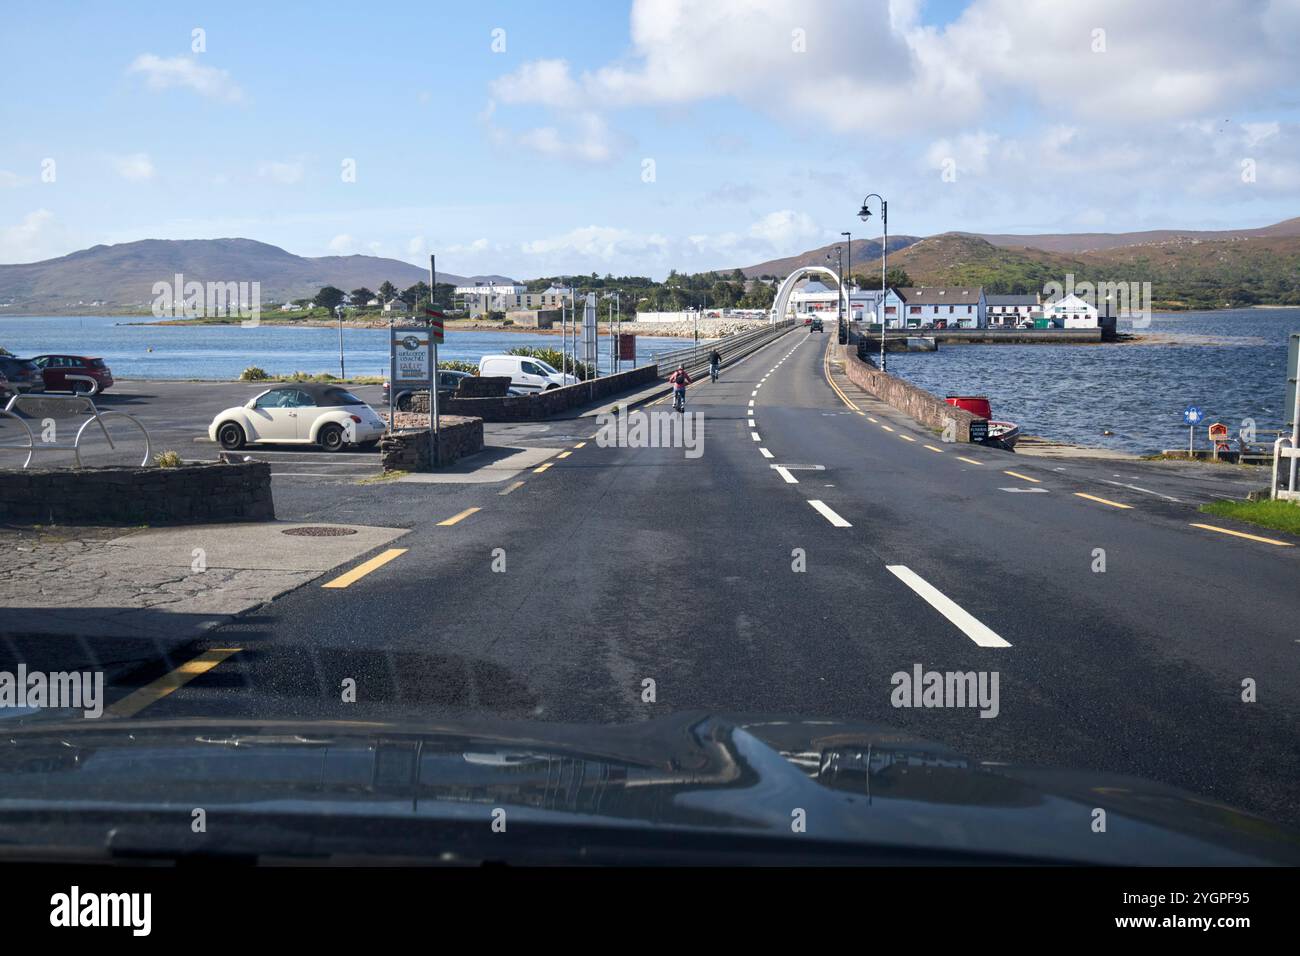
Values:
[(949, 608)]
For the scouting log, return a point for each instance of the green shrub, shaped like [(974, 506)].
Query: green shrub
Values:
[(458, 365), (253, 374), (555, 359), (168, 459)]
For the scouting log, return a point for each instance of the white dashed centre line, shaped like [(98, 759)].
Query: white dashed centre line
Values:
[(754, 435), (969, 626), (785, 473), (766, 453), (824, 510)]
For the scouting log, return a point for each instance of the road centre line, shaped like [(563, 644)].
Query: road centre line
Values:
[(564, 454), (969, 461), (754, 435), (154, 691), (542, 468), (1120, 484), (907, 438), (972, 628), (886, 428), (455, 519), (766, 453), (580, 444), (1104, 501), (823, 510), (506, 491), (784, 473), (1242, 534), (932, 448), (1016, 474), (361, 570)]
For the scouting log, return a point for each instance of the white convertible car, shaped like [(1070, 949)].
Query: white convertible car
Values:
[(304, 414)]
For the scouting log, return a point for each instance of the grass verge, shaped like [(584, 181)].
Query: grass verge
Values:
[(1278, 515)]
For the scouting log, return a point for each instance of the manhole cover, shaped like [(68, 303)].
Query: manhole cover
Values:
[(319, 531)]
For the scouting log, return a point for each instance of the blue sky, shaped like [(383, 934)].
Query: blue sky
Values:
[(530, 139)]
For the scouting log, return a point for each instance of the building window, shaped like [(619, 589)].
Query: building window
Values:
[(914, 310)]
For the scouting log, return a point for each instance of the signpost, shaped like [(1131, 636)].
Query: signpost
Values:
[(435, 336), (1218, 434), (627, 347), (1192, 415)]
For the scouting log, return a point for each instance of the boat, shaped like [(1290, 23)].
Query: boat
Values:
[(1000, 434)]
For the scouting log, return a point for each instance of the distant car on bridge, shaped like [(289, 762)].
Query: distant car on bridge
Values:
[(816, 326)]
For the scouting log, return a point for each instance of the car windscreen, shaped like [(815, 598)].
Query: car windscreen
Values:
[(338, 396)]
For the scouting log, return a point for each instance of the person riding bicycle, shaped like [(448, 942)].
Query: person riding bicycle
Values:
[(715, 363), (679, 380)]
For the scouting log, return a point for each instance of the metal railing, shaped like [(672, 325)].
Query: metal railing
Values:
[(729, 348), (66, 405)]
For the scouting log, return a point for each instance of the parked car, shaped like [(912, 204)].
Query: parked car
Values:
[(526, 373), (816, 326), (448, 384), (300, 414), (19, 376), (74, 373)]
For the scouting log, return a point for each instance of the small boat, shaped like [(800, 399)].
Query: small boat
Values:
[(1001, 434)]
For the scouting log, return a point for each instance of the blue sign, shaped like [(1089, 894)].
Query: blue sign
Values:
[(1192, 414)]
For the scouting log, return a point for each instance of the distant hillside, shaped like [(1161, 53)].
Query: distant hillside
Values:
[(121, 277), (1186, 269), (861, 254), (1098, 241), (1194, 274)]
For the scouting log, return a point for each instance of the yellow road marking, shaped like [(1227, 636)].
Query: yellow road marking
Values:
[(826, 370), (361, 570), (564, 454), (506, 491), (1242, 534), (886, 428), (538, 471), (872, 420), (456, 518), (1104, 501), (138, 700), (1016, 474), (932, 448), (860, 411), (969, 461), (580, 444), (907, 438)]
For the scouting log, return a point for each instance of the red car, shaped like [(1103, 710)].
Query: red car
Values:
[(74, 373)]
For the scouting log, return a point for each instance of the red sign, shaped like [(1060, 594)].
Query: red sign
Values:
[(627, 348)]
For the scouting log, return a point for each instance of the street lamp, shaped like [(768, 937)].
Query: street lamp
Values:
[(839, 298), (848, 258), (864, 214)]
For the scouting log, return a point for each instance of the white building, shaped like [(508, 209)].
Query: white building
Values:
[(487, 297), (1071, 312), (1013, 310)]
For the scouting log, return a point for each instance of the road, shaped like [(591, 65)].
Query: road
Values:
[(819, 545)]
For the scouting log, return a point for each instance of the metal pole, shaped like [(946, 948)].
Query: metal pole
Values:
[(338, 310), (433, 373), (392, 375), (884, 245), (848, 236)]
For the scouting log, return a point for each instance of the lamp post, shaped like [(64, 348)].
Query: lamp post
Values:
[(839, 298), (848, 259), (864, 214)]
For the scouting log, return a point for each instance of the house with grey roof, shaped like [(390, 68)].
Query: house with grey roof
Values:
[(956, 306)]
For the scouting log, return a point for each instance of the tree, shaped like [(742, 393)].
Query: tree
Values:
[(416, 293), (328, 298), (896, 277), (361, 296), (387, 291)]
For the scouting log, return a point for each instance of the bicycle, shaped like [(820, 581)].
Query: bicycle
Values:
[(713, 373), (679, 400)]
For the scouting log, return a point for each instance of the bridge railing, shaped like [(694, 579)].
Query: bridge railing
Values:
[(729, 348)]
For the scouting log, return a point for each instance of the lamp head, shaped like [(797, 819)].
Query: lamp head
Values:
[(864, 213)]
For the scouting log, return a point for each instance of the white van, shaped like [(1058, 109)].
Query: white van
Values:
[(527, 374)]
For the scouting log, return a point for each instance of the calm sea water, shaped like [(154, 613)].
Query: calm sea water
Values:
[(1231, 363), (223, 351)]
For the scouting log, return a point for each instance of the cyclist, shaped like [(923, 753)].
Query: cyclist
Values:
[(679, 380), (715, 363)]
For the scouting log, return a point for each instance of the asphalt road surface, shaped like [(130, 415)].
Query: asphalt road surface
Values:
[(819, 545)]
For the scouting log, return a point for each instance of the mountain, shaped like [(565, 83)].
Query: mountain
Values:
[(1186, 269), (862, 253), (121, 277)]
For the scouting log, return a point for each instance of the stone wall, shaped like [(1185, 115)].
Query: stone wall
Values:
[(189, 494), (527, 408), (929, 410), (407, 449)]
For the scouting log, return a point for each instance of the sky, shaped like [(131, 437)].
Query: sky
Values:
[(533, 139)]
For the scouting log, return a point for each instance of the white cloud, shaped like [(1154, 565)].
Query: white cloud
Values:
[(602, 243), (783, 227), (584, 137), (281, 172), (856, 73), (342, 244), (38, 236), (9, 180), (187, 73), (137, 167)]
